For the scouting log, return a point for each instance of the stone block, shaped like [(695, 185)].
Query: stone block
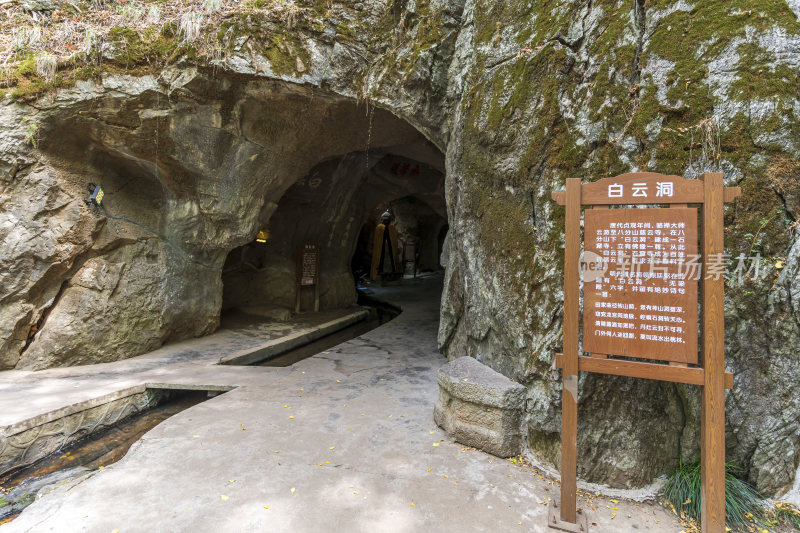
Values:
[(480, 407)]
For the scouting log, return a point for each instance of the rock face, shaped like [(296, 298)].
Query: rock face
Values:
[(480, 407), (199, 152), (596, 89)]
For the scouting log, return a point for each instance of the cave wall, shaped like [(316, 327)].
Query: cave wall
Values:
[(519, 96)]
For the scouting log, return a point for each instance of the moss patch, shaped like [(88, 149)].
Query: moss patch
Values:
[(153, 47)]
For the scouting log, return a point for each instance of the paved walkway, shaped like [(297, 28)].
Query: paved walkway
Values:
[(342, 441)]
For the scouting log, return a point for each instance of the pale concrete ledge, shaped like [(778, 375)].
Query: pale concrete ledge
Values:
[(480, 407), (274, 347)]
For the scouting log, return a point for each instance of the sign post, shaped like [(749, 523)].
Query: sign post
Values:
[(307, 273), (641, 270)]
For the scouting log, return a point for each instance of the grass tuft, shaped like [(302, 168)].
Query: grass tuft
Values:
[(190, 26), (743, 504), (46, 67)]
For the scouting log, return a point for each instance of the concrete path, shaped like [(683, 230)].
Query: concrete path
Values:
[(26, 394), (342, 441)]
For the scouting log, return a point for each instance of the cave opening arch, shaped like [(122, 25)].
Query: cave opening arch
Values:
[(192, 170)]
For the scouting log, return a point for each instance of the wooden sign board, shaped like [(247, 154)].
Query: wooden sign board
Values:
[(308, 266), (644, 301), (642, 304)]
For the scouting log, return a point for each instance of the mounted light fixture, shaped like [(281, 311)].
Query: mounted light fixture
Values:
[(96, 195)]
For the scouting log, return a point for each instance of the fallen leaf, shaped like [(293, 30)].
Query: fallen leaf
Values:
[(223, 497), (435, 443), (614, 501), (266, 507), (291, 490), (291, 416), (338, 381), (332, 448)]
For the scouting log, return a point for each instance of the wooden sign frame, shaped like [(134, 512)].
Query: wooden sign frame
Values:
[(711, 194), (302, 279)]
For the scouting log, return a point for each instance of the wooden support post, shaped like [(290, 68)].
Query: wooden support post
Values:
[(712, 499), (298, 274), (316, 282), (569, 375)]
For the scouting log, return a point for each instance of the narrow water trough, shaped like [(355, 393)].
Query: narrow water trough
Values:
[(376, 313), (89, 439), (379, 315)]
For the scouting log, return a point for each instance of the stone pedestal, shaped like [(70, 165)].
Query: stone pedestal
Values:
[(480, 407)]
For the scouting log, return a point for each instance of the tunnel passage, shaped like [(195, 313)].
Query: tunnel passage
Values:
[(336, 207), (192, 170)]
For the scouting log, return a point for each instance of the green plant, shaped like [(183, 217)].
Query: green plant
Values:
[(755, 240), (31, 131), (743, 507)]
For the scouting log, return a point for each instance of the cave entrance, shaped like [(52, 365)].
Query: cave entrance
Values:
[(336, 206)]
